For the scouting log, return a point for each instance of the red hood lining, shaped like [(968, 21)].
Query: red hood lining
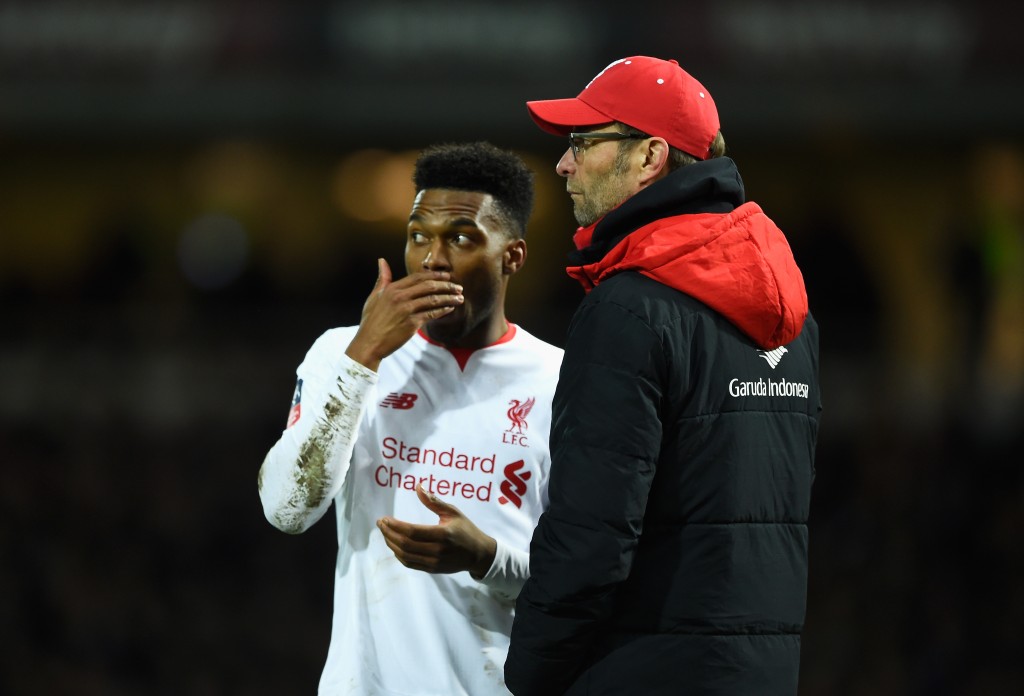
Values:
[(737, 263)]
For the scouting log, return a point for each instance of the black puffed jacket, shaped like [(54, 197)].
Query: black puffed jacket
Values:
[(673, 556)]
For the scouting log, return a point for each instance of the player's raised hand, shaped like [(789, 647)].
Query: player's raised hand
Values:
[(452, 545), (396, 309)]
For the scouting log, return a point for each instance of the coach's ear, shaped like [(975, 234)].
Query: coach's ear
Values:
[(653, 161), (515, 256)]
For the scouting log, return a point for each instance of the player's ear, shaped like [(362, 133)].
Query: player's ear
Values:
[(515, 256)]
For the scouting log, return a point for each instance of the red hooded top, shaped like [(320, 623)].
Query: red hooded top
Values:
[(738, 263)]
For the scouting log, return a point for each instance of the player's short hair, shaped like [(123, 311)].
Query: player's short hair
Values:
[(482, 168)]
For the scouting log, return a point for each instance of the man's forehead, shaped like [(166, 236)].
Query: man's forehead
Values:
[(452, 203)]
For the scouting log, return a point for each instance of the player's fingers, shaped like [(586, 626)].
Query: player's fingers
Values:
[(412, 549), (431, 303), (418, 286), (419, 533), (435, 504), (411, 559), (426, 564), (431, 314), (447, 295), (419, 317), (413, 554), (421, 276), (383, 275), (436, 304)]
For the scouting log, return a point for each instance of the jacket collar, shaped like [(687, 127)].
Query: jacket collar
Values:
[(711, 186)]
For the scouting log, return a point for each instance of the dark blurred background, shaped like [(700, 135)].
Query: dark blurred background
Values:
[(192, 191)]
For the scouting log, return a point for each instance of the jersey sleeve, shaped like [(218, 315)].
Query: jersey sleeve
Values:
[(508, 572), (306, 467)]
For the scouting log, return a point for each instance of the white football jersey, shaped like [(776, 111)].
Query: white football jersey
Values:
[(472, 428)]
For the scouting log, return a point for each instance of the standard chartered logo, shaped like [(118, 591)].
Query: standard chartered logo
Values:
[(768, 387)]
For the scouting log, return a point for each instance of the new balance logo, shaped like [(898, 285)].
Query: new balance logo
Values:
[(773, 356), (399, 401)]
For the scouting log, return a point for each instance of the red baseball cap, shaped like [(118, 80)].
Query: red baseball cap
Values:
[(653, 95)]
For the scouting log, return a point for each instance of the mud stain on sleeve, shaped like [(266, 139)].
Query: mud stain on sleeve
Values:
[(329, 441), (322, 458)]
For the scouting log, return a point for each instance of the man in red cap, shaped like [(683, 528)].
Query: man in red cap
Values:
[(673, 556)]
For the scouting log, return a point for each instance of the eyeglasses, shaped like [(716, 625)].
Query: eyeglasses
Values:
[(576, 140)]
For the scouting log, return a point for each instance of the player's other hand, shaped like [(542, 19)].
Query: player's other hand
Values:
[(396, 309), (452, 545)]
